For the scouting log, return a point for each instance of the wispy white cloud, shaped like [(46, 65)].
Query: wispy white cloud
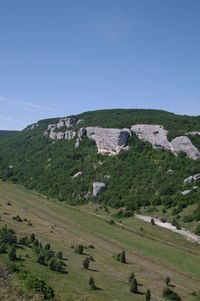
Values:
[(26, 104), (6, 118)]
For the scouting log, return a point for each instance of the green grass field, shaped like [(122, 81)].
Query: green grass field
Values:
[(152, 253)]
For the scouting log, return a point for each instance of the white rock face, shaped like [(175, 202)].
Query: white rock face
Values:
[(78, 174), (70, 135), (185, 192), (154, 134), (109, 141), (192, 133), (184, 144), (192, 179), (98, 188), (63, 122), (157, 136)]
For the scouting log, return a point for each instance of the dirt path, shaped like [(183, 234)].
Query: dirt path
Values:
[(187, 234)]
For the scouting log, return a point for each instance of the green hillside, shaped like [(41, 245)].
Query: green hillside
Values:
[(137, 177), (5, 134), (152, 253)]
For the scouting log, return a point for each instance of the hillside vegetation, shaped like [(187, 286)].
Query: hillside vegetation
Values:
[(151, 253), (134, 178)]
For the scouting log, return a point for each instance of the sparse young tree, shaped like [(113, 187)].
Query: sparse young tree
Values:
[(59, 255), (148, 295), (123, 257), (91, 283), (167, 280), (79, 249), (152, 222), (133, 287), (86, 263), (47, 246), (41, 259), (32, 238), (12, 254), (130, 277)]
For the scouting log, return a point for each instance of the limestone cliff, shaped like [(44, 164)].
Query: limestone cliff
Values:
[(111, 140)]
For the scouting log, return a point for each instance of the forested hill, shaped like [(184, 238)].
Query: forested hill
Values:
[(5, 134), (59, 157)]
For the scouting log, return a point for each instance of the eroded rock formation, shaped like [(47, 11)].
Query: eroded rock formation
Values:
[(109, 141), (98, 188)]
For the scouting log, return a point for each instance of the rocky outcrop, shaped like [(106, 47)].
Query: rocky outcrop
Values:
[(192, 179), (78, 174), (193, 133), (184, 144), (98, 188), (60, 130), (185, 192), (109, 141), (156, 135)]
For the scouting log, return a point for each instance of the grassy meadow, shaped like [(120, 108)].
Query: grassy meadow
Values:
[(152, 253)]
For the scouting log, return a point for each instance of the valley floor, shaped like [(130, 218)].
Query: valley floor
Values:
[(152, 253)]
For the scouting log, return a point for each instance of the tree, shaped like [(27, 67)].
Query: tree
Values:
[(152, 222), (167, 280), (86, 263), (170, 294), (123, 257), (59, 255), (148, 295), (41, 259), (133, 287), (91, 283), (32, 238), (131, 277), (12, 254), (79, 249), (47, 246)]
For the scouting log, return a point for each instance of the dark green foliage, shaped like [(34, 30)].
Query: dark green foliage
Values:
[(86, 263), (148, 295), (121, 257), (167, 280), (91, 283), (131, 277), (56, 265), (31, 282), (176, 224), (197, 231), (12, 254), (141, 171), (79, 249), (59, 255), (134, 286), (152, 222), (7, 236), (24, 241), (187, 218), (17, 218), (47, 246), (170, 294), (41, 259), (32, 238)]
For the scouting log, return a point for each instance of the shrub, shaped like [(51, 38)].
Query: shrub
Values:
[(170, 294), (79, 249)]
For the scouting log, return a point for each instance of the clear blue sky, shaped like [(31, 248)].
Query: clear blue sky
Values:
[(62, 57)]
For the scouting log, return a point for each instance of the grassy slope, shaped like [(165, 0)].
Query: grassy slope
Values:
[(147, 252)]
